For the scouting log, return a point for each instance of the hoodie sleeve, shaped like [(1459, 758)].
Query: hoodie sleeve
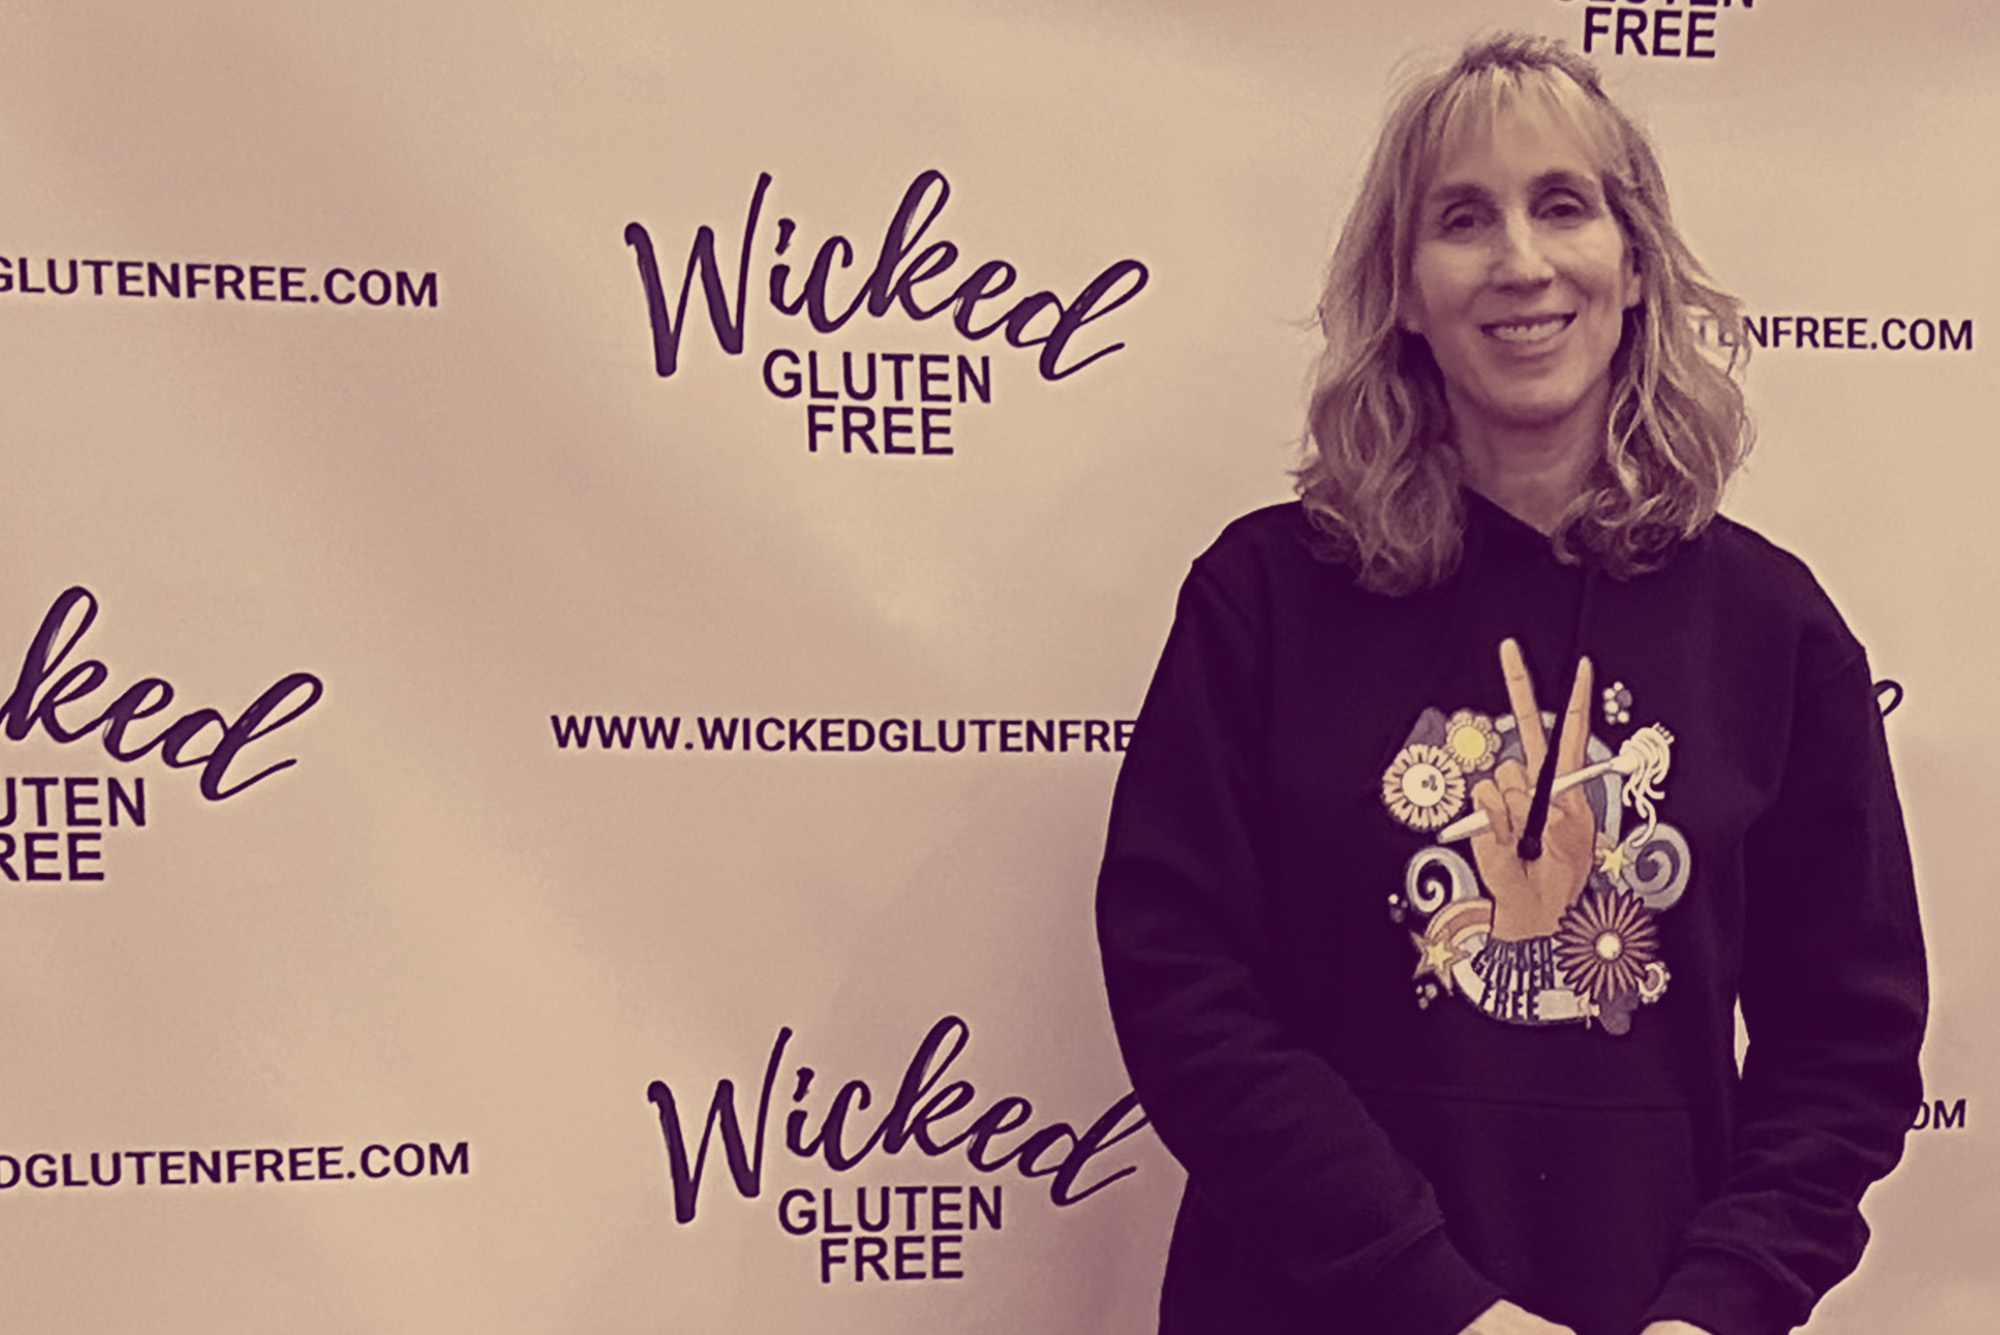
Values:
[(1272, 1137), (1834, 1001)]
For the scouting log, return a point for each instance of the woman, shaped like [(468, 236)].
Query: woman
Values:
[(1476, 790)]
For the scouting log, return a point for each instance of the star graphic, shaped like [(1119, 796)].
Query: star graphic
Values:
[(1611, 860), (1435, 957)]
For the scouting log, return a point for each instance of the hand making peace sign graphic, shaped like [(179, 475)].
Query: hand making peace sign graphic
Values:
[(1529, 897)]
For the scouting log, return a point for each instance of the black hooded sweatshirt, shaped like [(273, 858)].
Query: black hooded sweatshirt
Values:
[(1409, 1073)]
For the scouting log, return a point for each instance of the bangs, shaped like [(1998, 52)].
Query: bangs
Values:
[(1467, 106)]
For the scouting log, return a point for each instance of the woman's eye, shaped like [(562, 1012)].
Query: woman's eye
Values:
[(1565, 207), (1459, 221)]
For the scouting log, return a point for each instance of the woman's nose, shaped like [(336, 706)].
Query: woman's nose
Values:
[(1520, 260)]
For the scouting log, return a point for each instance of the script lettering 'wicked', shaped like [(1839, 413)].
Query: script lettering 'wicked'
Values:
[(39, 693), (1056, 1151), (976, 301)]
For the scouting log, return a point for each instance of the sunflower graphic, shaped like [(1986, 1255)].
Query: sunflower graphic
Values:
[(1606, 943), (1472, 741), (1424, 788)]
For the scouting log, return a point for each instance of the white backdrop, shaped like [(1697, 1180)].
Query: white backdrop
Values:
[(468, 508)]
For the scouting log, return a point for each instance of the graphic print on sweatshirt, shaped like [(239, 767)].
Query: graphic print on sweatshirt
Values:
[(1566, 937)]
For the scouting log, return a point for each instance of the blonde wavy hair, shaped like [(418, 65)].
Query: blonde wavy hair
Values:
[(1381, 478)]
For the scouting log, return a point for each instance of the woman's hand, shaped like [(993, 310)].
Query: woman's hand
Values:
[(1503, 1318), (1529, 898)]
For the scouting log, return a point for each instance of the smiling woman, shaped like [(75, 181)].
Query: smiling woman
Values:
[(1427, 972), (1520, 283), (1515, 183)]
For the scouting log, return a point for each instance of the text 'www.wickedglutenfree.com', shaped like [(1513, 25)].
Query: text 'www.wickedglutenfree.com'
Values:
[(839, 735)]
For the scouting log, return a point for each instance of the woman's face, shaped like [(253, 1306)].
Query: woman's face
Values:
[(1520, 278)]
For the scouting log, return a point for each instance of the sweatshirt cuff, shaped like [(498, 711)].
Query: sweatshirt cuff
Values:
[(1725, 1294), (1430, 1290)]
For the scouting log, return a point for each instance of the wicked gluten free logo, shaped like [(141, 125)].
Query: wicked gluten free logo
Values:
[(53, 824), (881, 402), (909, 1230)]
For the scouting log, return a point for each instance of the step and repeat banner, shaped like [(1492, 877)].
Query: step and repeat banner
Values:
[(577, 577)]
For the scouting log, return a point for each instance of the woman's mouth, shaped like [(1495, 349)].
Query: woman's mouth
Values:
[(1528, 328)]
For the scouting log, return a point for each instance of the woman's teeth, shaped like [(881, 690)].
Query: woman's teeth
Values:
[(1525, 331)]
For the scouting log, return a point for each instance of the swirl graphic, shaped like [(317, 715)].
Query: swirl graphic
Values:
[(1655, 869), (1437, 876)]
